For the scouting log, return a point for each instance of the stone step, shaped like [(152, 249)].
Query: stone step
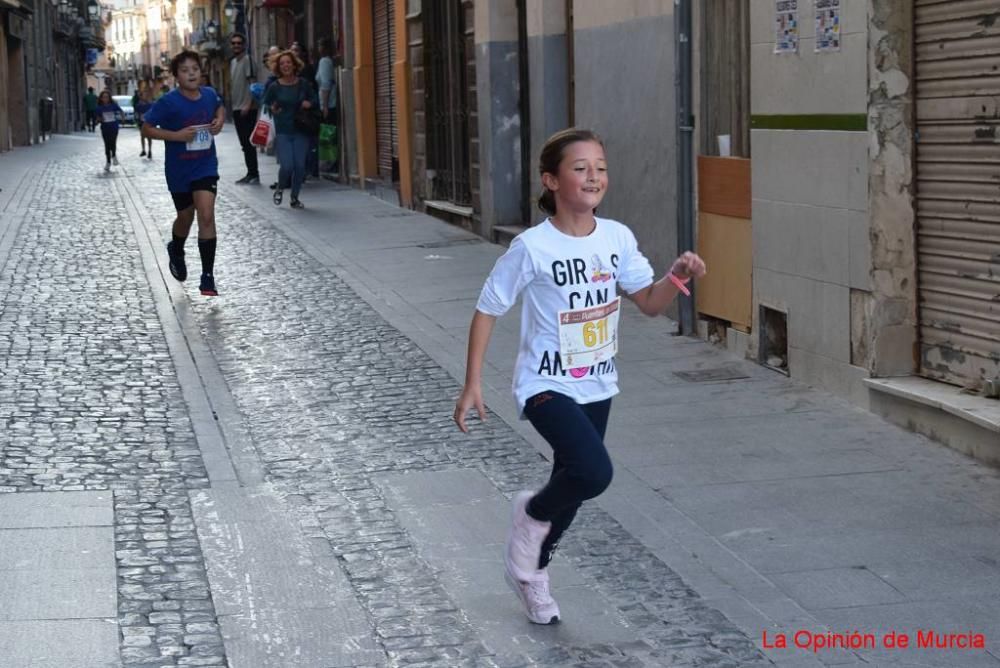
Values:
[(504, 234)]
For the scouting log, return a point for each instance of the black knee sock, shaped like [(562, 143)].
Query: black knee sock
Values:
[(179, 242), (206, 248)]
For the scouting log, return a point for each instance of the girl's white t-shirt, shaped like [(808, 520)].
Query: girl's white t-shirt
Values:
[(557, 272)]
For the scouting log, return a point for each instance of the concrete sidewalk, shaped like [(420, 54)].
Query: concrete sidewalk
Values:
[(784, 507)]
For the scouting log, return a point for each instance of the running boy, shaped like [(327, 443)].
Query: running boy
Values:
[(187, 119), (568, 270)]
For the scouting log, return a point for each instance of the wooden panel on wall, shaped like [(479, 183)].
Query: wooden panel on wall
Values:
[(725, 243), (724, 186)]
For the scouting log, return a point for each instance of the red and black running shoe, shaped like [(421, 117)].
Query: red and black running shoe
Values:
[(208, 286)]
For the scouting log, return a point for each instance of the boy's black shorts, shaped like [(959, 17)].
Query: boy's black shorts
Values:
[(185, 200)]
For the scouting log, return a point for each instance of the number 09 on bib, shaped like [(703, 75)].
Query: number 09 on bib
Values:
[(202, 140), (589, 336)]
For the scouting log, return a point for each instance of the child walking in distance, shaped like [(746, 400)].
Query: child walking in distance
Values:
[(109, 113), (187, 120), (143, 105), (568, 270)]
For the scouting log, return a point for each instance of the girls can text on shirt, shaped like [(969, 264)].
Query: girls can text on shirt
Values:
[(555, 273)]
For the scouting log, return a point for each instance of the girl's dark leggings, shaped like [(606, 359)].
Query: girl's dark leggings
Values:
[(110, 136), (581, 467)]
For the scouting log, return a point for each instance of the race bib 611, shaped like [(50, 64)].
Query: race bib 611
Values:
[(588, 336)]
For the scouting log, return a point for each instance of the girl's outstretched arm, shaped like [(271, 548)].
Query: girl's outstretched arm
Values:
[(654, 299), (472, 394)]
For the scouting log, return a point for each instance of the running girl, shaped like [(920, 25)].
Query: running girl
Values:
[(109, 113), (568, 269), (187, 119)]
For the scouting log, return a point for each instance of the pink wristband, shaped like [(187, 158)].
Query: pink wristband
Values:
[(679, 282)]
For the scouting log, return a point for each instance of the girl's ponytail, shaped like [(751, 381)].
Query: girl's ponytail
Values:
[(547, 202)]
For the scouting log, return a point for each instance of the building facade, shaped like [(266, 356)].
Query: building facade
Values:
[(127, 35), (447, 105), (875, 214), (835, 160), (44, 48)]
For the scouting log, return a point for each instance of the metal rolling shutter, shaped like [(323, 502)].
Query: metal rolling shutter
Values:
[(958, 189), (386, 128)]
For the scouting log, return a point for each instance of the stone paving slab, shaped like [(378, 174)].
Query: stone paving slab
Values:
[(58, 593), (79, 547), (56, 509), (307, 639), (82, 643), (457, 516), (57, 562), (279, 603), (837, 588)]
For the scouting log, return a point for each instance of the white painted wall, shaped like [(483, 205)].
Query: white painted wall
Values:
[(810, 194)]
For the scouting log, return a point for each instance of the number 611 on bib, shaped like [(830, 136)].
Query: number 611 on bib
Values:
[(588, 336)]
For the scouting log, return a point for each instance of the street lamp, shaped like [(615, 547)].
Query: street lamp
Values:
[(211, 29), (230, 10)]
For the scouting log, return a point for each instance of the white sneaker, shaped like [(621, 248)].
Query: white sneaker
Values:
[(524, 542), (107, 167), (115, 160), (538, 603)]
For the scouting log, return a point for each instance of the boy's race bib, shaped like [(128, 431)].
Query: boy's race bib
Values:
[(202, 140), (588, 336)]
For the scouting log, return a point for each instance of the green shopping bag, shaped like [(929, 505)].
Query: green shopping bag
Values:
[(327, 143)]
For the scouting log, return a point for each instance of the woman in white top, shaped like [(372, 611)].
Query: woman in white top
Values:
[(568, 270)]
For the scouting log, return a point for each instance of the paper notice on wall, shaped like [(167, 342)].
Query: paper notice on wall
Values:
[(786, 26), (827, 25)]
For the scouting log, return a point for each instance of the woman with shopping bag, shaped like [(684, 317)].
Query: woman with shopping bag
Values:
[(293, 103)]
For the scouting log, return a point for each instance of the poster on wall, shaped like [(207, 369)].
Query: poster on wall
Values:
[(786, 26), (827, 26)]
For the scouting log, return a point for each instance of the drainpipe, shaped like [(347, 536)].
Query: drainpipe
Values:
[(524, 110), (685, 137)]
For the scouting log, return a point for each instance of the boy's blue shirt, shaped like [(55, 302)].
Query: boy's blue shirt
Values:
[(187, 162)]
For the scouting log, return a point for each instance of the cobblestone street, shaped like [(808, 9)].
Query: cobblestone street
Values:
[(332, 396), (94, 404), (271, 478)]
